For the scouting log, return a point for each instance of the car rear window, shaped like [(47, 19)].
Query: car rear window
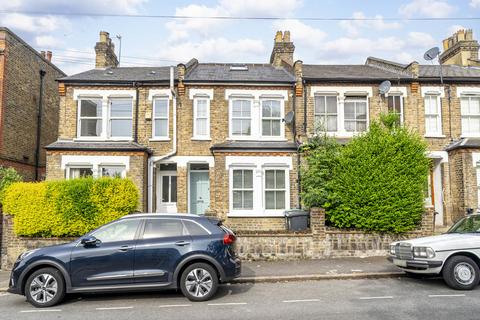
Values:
[(194, 229)]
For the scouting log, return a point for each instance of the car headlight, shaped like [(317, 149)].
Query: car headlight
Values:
[(392, 249), (25, 254), (423, 252)]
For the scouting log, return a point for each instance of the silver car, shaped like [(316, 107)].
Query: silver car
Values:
[(454, 255)]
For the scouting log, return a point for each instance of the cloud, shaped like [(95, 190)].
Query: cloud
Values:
[(33, 24), (427, 8), (302, 34), (354, 27), (48, 41), (454, 28), (420, 40), (95, 6), (216, 50), (475, 3), (268, 8)]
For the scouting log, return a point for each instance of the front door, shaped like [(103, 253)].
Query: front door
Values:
[(110, 261), (167, 192), (199, 192)]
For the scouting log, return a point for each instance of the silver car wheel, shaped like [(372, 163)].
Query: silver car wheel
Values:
[(198, 282), (464, 273), (43, 288)]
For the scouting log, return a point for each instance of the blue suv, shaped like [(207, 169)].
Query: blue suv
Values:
[(136, 252)]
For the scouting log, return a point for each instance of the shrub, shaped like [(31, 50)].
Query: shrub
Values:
[(68, 207), (8, 176)]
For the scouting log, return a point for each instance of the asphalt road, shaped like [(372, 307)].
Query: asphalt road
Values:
[(399, 298)]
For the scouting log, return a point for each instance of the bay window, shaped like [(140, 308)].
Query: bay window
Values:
[(113, 171), (75, 172), (90, 117), (470, 109), (160, 117)]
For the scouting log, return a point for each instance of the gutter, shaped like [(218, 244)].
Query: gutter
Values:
[(151, 160), (39, 125)]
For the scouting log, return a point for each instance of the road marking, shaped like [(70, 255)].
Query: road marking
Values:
[(41, 310), (304, 300), (113, 308), (227, 304), (372, 298), (174, 305), (445, 295)]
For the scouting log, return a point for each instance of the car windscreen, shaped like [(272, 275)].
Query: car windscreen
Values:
[(470, 224)]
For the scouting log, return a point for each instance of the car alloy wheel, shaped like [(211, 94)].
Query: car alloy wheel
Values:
[(464, 273), (43, 288), (199, 282)]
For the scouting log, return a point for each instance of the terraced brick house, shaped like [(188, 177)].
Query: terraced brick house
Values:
[(220, 138)]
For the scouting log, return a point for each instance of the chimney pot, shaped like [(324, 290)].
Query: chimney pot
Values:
[(49, 55), (278, 36), (42, 53), (286, 36), (105, 56), (104, 37)]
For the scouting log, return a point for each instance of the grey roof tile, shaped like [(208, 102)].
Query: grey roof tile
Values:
[(97, 146), (349, 72), (220, 72), (449, 71), (122, 74)]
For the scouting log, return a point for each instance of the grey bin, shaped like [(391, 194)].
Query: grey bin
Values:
[(297, 219)]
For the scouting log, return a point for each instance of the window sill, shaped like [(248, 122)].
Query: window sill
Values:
[(101, 139), (201, 139), (255, 139), (434, 136), (159, 139), (256, 214)]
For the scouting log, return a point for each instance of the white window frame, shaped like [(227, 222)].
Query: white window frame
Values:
[(123, 173), (462, 116), (154, 118), (281, 117), (231, 189), (286, 189), (325, 114), (80, 118), (355, 110), (69, 167), (197, 136), (110, 118), (230, 118), (94, 162), (400, 95), (437, 98)]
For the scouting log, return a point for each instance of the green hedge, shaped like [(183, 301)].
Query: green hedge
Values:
[(375, 182), (68, 207), (8, 176)]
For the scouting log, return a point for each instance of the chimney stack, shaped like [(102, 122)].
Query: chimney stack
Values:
[(42, 53), (283, 49), (105, 56), (49, 56), (460, 49)]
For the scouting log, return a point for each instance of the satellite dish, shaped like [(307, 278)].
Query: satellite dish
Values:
[(431, 54), (384, 87), (289, 117)]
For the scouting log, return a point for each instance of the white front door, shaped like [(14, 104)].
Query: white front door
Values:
[(167, 191), (199, 192)]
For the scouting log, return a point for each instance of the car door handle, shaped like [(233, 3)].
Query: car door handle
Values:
[(182, 243), (125, 248)]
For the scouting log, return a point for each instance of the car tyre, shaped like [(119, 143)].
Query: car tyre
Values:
[(461, 273), (45, 287), (199, 282)]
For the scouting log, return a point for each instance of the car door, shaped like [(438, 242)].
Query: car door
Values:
[(110, 261), (161, 246)]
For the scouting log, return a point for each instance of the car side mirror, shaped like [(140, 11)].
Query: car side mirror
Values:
[(89, 241)]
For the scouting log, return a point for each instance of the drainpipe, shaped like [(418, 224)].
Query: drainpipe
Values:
[(294, 129), (304, 107), (39, 125), (151, 162)]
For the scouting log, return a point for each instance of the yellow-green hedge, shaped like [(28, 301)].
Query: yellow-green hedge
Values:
[(68, 207)]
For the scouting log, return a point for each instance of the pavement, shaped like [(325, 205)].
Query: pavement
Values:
[(301, 270), (359, 299)]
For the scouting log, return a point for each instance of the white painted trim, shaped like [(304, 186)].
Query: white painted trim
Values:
[(200, 92), (153, 93), (438, 97), (467, 91), (256, 94), (160, 138), (341, 91), (105, 94), (194, 113), (443, 155), (183, 161), (395, 91), (438, 90), (476, 159), (258, 165), (95, 162)]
